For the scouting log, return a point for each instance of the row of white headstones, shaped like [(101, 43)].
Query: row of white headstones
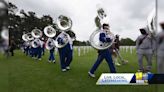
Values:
[(83, 50)]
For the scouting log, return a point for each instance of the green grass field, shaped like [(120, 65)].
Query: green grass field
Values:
[(23, 74)]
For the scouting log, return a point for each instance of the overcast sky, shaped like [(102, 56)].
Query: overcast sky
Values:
[(125, 16)]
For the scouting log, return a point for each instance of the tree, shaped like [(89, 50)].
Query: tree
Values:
[(127, 42)]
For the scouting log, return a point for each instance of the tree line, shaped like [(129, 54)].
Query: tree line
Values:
[(25, 21)]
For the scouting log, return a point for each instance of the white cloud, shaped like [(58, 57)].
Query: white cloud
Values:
[(126, 16)]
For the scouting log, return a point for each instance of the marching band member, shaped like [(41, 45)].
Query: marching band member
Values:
[(52, 50), (42, 46), (114, 48), (103, 54), (26, 48), (39, 50), (52, 57), (36, 49), (117, 55), (145, 45), (66, 52), (160, 50)]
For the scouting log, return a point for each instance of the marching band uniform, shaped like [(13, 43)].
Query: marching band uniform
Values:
[(66, 52), (160, 51), (35, 51), (103, 37), (26, 48), (145, 46), (31, 49), (43, 47), (39, 50), (51, 57)]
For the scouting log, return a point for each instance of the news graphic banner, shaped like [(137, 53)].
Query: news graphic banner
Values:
[(138, 78)]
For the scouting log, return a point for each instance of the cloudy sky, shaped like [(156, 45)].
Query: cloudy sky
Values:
[(125, 16)]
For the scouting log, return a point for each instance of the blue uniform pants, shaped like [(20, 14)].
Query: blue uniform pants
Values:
[(107, 56), (66, 55), (51, 57)]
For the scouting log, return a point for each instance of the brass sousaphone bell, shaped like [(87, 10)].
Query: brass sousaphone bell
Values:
[(151, 23), (5, 34), (50, 32), (36, 33), (64, 24), (94, 37)]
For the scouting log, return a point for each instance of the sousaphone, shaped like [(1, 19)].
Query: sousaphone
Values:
[(94, 37), (50, 32), (64, 24), (151, 23), (95, 43), (5, 34), (36, 33)]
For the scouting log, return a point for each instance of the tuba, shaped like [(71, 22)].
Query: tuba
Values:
[(36, 43), (5, 34), (95, 43), (64, 24), (94, 37), (25, 37), (36, 33), (151, 23), (64, 36), (101, 13), (30, 37), (50, 44), (50, 32)]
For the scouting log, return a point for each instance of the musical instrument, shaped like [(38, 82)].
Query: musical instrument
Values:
[(95, 43), (27, 37), (50, 44), (50, 32), (64, 36), (5, 34), (24, 37), (36, 33), (36, 43), (94, 37), (64, 24), (151, 22), (101, 13)]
